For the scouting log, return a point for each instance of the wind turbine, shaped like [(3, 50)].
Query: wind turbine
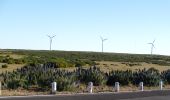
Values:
[(152, 46), (103, 39), (51, 39)]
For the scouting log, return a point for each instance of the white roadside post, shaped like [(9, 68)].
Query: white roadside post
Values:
[(117, 87), (54, 87), (141, 86), (161, 85), (90, 87)]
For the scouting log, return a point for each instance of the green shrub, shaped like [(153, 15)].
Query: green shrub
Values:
[(165, 75), (8, 60), (18, 61), (93, 74), (13, 84), (123, 77), (150, 77), (65, 83), (62, 63), (5, 66)]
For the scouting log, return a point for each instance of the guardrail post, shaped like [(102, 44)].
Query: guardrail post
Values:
[(54, 87), (141, 86), (117, 87), (90, 87), (161, 85)]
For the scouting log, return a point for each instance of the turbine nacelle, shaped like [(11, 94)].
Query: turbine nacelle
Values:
[(51, 36), (103, 39)]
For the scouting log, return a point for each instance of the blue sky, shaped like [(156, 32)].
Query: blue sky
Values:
[(78, 24)]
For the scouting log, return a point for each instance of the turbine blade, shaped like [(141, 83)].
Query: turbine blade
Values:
[(104, 39), (48, 36), (153, 41)]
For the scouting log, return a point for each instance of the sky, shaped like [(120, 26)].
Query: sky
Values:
[(128, 25)]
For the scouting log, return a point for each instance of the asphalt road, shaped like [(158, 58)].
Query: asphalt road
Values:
[(151, 98), (147, 95)]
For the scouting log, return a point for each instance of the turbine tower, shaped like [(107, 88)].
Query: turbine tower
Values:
[(152, 46), (103, 39), (51, 39)]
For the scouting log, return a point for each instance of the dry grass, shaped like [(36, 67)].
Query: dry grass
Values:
[(11, 67), (107, 66), (21, 92), (14, 56)]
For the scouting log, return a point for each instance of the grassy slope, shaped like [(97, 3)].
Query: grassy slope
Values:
[(107, 61), (97, 56), (11, 67)]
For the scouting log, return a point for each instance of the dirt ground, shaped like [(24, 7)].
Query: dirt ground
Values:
[(82, 89)]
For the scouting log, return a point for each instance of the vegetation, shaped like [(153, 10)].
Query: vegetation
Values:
[(93, 74), (89, 57), (42, 75), (124, 77), (4, 66), (166, 76), (150, 77), (77, 59), (43, 67)]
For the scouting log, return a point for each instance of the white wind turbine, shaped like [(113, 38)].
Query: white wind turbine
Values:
[(152, 46), (51, 39), (103, 39)]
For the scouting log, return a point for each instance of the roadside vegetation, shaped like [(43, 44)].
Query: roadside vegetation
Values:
[(41, 77), (38, 69)]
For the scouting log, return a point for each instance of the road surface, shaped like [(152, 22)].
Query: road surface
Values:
[(146, 95)]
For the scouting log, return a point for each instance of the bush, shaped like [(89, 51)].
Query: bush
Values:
[(150, 77), (79, 63), (65, 83), (165, 75), (39, 75), (18, 61), (8, 60), (93, 74), (13, 84), (123, 77), (62, 63), (5, 66)]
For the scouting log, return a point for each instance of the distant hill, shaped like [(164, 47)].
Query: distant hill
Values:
[(92, 56)]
